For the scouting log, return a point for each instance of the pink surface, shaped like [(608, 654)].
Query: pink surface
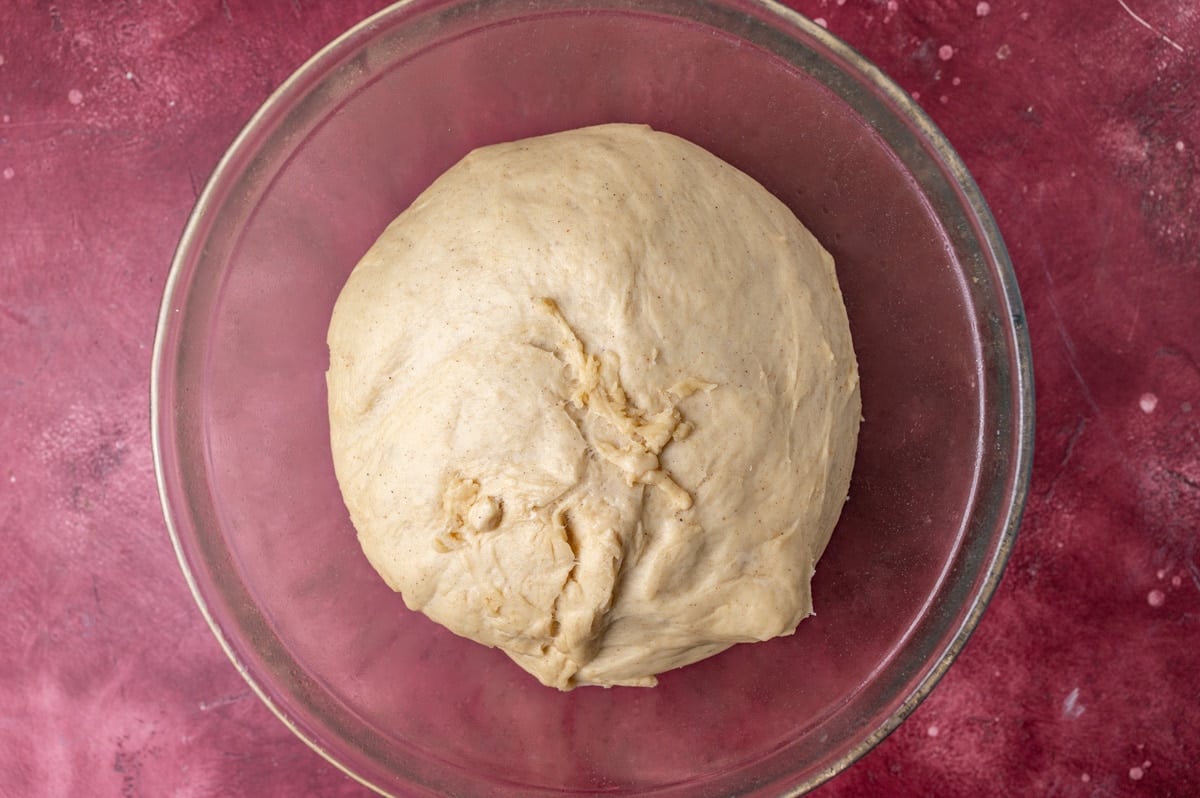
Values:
[(1077, 120)]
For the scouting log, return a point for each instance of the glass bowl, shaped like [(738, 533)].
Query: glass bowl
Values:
[(241, 434)]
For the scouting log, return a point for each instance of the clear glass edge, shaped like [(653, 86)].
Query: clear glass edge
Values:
[(205, 206), (1023, 384), (928, 130)]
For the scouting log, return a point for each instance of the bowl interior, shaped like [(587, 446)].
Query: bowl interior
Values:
[(242, 433)]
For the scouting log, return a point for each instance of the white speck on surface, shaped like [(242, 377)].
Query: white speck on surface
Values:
[(1136, 774), (1179, 146), (1148, 402), (170, 103), (943, 99), (74, 96), (1145, 764), (841, 2), (9, 173), (1004, 52), (1, 60), (1176, 580), (945, 52), (1029, 110), (821, 21), (233, 698), (128, 76), (956, 82), (1024, 16), (983, 9), (12, 478), (916, 95), (1071, 708), (5, 119), (1156, 598), (1161, 573), (1085, 778), (933, 731)]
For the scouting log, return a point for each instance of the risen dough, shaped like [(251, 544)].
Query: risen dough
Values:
[(593, 400)]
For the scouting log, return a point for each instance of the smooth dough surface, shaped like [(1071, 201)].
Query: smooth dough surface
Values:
[(593, 400)]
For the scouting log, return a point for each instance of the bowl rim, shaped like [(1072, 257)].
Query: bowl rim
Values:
[(1023, 411)]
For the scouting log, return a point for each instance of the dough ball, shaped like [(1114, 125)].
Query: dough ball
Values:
[(593, 400)]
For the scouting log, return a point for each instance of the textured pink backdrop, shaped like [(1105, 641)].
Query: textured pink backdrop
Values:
[(1081, 124)]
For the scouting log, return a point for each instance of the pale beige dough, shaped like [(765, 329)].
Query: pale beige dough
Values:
[(593, 400)]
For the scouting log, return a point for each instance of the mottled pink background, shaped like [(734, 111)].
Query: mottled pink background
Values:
[(1081, 123)]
